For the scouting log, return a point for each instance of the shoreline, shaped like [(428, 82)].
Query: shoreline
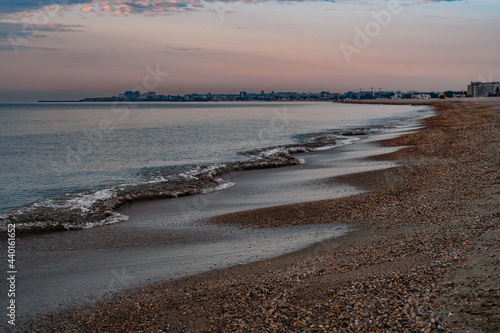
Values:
[(164, 240), (95, 204), (411, 236)]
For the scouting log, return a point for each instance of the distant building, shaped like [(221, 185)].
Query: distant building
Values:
[(129, 96), (483, 89), (351, 95), (421, 96), (397, 95), (366, 94), (326, 96), (384, 94), (473, 89)]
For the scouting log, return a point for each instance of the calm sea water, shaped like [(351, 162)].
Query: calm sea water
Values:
[(67, 165)]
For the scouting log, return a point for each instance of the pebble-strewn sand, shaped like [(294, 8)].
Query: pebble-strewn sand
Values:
[(425, 257)]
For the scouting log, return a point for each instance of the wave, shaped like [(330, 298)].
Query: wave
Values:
[(94, 208)]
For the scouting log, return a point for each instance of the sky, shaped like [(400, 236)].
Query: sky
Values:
[(72, 49)]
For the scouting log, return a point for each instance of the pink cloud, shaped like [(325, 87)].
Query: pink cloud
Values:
[(87, 8)]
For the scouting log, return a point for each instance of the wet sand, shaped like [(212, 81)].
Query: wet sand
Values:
[(424, 256)]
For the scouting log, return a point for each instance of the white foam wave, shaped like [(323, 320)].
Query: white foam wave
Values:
[(113, 219), (337, 144), (96, 208), (85, 202), (223, 185), (198, 170)]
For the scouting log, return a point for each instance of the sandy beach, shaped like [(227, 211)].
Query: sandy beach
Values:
[(424, 256)]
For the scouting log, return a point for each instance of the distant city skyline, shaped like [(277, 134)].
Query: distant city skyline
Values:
[(152, 96), (72, 49)]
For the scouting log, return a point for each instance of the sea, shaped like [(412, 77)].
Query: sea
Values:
[(67, 166)]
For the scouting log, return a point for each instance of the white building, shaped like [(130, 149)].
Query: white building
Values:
[(421, 96), (483, 89)]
